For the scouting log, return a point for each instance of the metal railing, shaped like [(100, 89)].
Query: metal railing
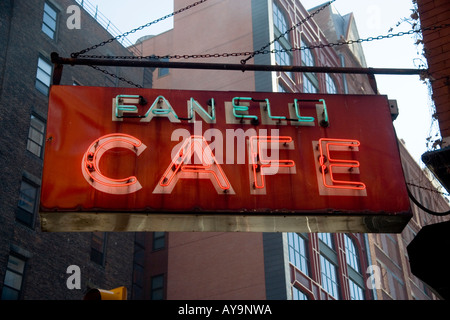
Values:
[(104, 21)]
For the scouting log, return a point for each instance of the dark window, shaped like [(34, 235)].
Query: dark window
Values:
[(98, 245), (158, 240), (28, 197), (163, 71), (36, 136), (157, 287), (43, 76), (12, 284)]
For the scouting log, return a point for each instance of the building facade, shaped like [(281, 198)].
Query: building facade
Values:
[(307, 266), (33, 264)]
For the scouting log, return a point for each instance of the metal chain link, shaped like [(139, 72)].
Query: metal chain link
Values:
[(267, 51), (116, 76), (76, 54)]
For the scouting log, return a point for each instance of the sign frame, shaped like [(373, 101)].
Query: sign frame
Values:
[(87, 125)]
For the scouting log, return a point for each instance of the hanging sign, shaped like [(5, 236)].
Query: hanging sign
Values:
[(122, 159)]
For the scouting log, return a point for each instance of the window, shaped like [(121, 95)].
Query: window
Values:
[(36, 135), (351, 253), (356, 280), (310, 81), (163, 71), (148, 78), (298, 295), (282, 45), (327, 239), (298, 252), (157, 288), (12, 285), (158, 240), (43, 76), (329, 277), (98, 247), (330, 84), (356, 292), (49, 20), (28, 197)]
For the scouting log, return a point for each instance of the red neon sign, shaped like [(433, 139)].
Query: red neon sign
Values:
[(128, 150)]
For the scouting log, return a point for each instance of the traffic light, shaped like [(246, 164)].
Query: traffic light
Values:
[(119, 293)]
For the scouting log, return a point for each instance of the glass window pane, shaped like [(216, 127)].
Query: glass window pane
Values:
[(327, 239), (9, 294), (298, 295), (351, 253), (43, 77), (13, 280), (27, 197), (37, 124), (49, 21), (356, 292), (34, 148), (48, 31), (16, 264), (329, 277), (297, 252), (50, 11), (330, 84), (44, 66), (42, 87)]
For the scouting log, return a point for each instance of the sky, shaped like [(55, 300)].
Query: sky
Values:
[(373, 18)]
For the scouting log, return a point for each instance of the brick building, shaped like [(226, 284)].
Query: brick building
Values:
[(436, 42), (34, 265), (316, 266)]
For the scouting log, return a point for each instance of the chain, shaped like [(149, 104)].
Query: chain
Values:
[(303, 21), (116, 76), (76, 54), (267, 51), (427, 189)]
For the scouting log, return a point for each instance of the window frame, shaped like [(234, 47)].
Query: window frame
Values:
[(22, 210), (298, 294), (158, 237), (282, 44), (162, 72), (39, 81), (10, 270), (329, 276), (354, 270), (157, 290), (31, 140), (330, 84), (307, 58), (53, 30), (303, 263)]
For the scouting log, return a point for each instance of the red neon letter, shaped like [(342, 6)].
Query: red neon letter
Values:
[(180, 167), (91, 160), (332, 166), (266, 166)]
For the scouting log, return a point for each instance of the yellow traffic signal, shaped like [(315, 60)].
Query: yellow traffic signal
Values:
[(119, 293)]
